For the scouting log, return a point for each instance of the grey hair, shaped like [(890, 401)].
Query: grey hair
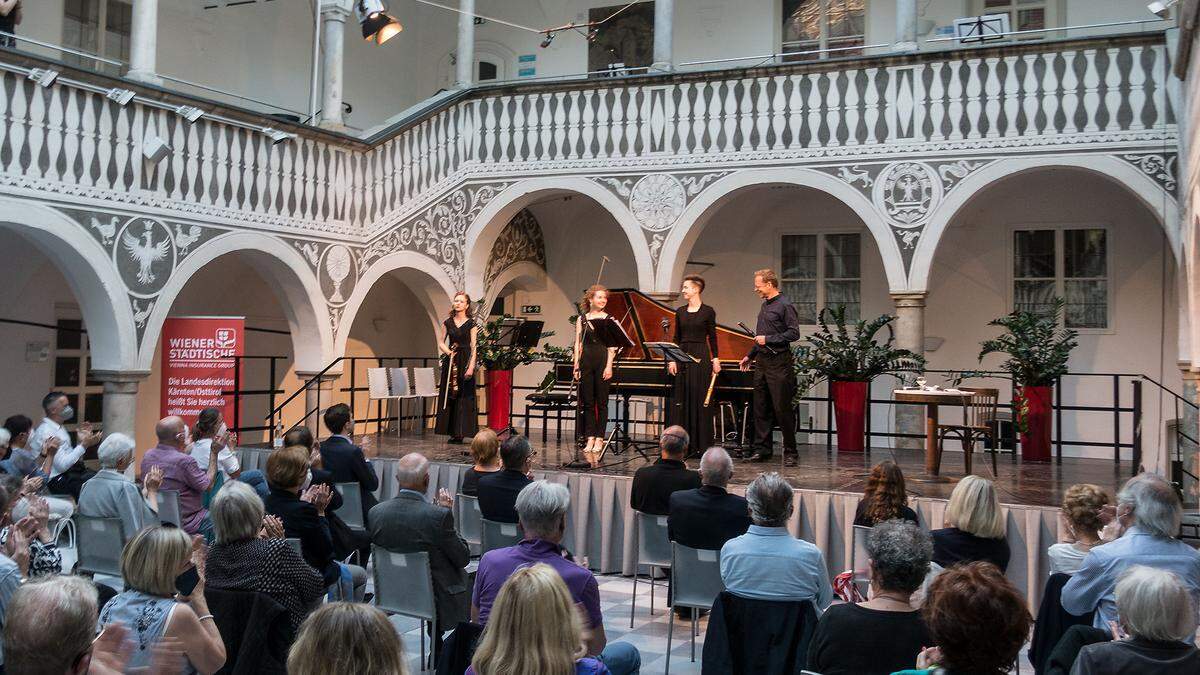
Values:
[(770, 499), (1156, 507), (113, 449), (1155, 605), (411, 470), (5, 437), (716, 468), (900, 553), (66, 602), (541, 506), (674, 440), (236, 512)]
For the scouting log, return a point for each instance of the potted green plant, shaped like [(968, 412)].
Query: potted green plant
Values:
[(500, 361), (1038, 350), (849, 359)]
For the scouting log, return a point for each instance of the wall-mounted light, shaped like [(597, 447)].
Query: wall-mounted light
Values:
[(546, 42), (377, 25), (189, 112), (155, 149), (43, 76), (121, 96), (1161, 9), (277, 136)]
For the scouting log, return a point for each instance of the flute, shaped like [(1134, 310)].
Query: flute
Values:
[(451, 389), (711, 384)]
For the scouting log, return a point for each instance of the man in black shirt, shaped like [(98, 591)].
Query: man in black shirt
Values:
[(653, 485), (498, 491), (708, 516), (774, 382)]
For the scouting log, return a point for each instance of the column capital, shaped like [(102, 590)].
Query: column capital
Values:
[(909, 299), (664, 296), (323, 379), (1188, 375), (122, 376), (336, 10)]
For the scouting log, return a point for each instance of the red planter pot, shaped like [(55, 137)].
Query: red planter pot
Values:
[(499, 398), (850, 409), (1035, 440)]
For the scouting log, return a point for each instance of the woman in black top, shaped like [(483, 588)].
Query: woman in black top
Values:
[(696, 334), (485, 450), (594, 371), (974, 526), (883, 634), (458, 413), (885, 497)]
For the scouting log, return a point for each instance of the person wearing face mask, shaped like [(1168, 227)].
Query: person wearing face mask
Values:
[(182, 473), (28, 465), (67, 473), (345, 540)]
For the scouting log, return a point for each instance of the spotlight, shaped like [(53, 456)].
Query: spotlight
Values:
[(377, 25), (548, 40), (189, 112), (155, 149), (43, 76), (593, 35), (277, 136), (121, 96), (1161, 9)]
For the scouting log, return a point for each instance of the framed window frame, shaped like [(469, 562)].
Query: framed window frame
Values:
[(1060, 268), (82, 390), (823, 40), (821, 278), (101, 45), (1054, 12)]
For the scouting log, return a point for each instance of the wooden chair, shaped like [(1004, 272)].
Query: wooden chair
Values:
[(979, 421)]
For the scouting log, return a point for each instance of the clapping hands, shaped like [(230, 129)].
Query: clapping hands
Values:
[(31, 485), (153, 479), (318, 496), (272, 528), (444, 498)]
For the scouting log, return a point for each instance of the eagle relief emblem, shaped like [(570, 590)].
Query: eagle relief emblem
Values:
[(145, 256)]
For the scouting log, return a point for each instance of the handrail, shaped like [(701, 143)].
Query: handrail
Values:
[(304, 387)]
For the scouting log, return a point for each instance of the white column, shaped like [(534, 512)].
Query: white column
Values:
[(318, 396), (664, 27), (120, 399), (910, 335), (906, 26), (143, 42), (333, 31), (464, 68)]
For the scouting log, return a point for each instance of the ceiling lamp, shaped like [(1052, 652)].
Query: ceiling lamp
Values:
[(377, 25)]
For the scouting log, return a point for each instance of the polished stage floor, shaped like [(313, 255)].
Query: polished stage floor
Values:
[(818, 468)]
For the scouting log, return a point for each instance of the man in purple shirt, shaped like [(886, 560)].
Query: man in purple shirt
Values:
[(542, 512), (181, 472)]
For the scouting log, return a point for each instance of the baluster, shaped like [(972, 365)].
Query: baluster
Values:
[(1091, 91)]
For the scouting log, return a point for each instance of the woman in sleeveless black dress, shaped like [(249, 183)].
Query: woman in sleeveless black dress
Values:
[(458, 413), (593, 370), (696, 334)]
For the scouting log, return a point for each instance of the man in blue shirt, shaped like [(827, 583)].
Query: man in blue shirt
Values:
[(768, 563), (1149, 509)]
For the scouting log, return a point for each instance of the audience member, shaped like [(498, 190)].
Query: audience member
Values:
[(14, 560), (302, 511), (154, 609), (345, 637), (485, 451), (1081, 519), (410, 524), (181, 473), (978, 621), (32, 514), (250, 554), (28, 465), (542, 509), (708, 516), (1149, 509), (110, 494), (534, 628), (768, 563), (1159, 618), (346, 541), (653, 485), (885, 497), (344, 460), (67, 472), (211, 431), (974, 526), (498, 491), (50, 626), (885, 633)]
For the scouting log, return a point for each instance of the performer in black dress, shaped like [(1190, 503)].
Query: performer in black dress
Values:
[(696, 334), (774, 381), (458, 413), (593, 370)]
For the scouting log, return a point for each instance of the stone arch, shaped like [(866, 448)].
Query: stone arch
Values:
[(86, 265), (524, 276), (426, 278), (284, 270), (1122, 173), (699, 212), (494, 217)]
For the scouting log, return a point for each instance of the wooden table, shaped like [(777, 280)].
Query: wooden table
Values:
[(932, 399)]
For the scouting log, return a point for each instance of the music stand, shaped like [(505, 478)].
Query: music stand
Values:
[(610, 333), (670, 352)]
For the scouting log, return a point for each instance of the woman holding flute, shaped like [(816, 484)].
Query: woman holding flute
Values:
[(696, 334)]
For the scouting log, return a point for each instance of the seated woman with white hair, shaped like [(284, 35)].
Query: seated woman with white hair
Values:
[(1158, 615), (112, 494), (250, 554)]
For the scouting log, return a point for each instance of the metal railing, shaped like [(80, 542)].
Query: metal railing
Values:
[(238, 393)]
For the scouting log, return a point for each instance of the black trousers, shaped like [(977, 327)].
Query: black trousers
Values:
[(774, 389), (593, 399)]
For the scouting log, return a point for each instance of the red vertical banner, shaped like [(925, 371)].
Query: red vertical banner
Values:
[(198, 365)]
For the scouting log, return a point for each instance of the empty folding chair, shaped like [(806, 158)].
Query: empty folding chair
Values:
[(380, 389), (425, 388), (695, 584), (402, 390), (295, 543), (497, 535), (469, 519), (351, 512), (404, 586), (858, 559), (168, 507), (99, 543), (653, 549)]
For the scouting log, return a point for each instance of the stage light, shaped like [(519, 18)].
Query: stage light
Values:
[(277, 136), (548, 40), (43, 76), (189, 112), (377, 25), (1161, 9), (155, 149), (121, 96)]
